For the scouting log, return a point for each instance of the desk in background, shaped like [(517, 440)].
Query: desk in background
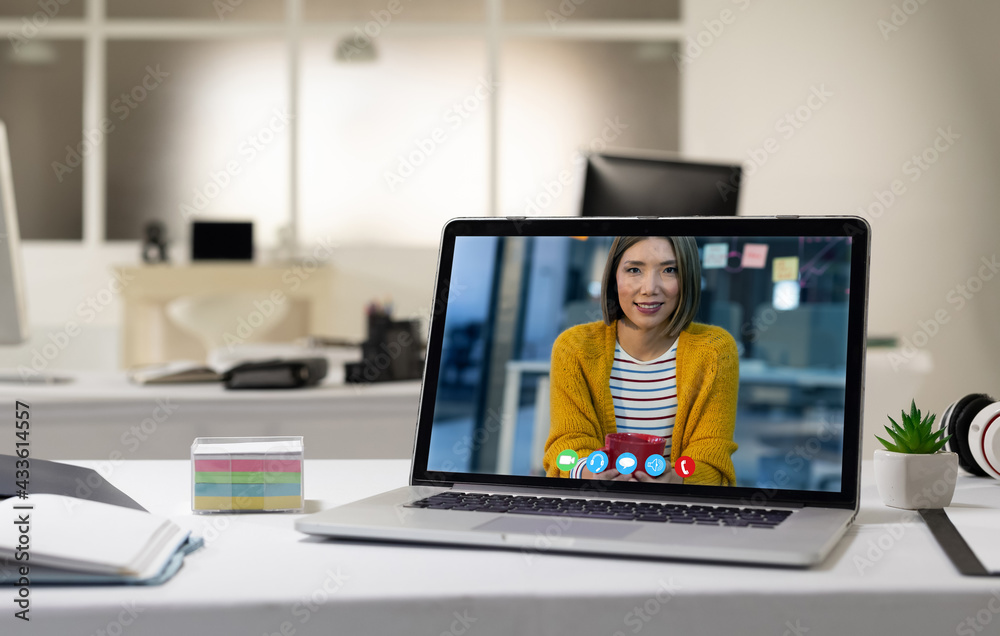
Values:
[(257, 575), (103, 416), (149, 337)]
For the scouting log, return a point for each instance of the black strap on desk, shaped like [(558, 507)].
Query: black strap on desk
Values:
[(953, 543)]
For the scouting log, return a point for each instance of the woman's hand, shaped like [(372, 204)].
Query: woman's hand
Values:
[(612, 474), (608, 474), (668, 477)]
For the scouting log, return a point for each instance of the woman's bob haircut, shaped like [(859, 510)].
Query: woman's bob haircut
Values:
[(689, 273)]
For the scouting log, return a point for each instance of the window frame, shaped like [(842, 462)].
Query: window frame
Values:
[(96, 29)]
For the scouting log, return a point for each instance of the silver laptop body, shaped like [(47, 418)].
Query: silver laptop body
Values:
[(798, 418)]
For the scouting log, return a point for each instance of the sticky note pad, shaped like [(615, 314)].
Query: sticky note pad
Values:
[(754, 256), (247, 474), (785, 268), (716, 256)]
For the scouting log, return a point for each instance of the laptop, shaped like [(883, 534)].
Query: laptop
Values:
[(536, 355)]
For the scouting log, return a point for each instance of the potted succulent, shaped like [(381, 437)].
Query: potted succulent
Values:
[(912, 472)]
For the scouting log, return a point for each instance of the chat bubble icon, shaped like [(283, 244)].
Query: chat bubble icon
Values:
[(626, 463)]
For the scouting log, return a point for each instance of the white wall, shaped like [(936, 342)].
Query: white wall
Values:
[(890, 95)]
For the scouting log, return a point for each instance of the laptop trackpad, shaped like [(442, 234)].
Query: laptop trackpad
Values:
[(561, 526)]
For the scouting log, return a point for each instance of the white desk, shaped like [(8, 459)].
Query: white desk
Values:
[(103, 416), (257, 575)]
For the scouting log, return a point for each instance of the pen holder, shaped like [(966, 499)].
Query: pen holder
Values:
[(247, 474)]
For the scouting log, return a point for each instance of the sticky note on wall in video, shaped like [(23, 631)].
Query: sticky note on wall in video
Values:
[(785, 268), (754, 256), (716, 256)]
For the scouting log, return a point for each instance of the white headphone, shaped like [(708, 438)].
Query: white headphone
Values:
[(974, 425)]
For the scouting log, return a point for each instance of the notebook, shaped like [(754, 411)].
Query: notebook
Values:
[(53, 539), (729, 432)]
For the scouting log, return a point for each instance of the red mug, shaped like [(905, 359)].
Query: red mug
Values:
[(639, 444)]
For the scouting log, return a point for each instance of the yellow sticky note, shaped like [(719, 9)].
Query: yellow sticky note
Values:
[(785, 268)]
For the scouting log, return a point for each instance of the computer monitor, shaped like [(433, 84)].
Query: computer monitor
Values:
[(624, 185), (222, 241), (13, 311)]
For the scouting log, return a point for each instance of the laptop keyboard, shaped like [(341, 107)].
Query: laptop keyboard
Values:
[(599, 509)]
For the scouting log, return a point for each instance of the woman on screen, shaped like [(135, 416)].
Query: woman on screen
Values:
[(647, 368)]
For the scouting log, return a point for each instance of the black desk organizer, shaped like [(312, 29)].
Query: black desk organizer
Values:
[(393, 351)]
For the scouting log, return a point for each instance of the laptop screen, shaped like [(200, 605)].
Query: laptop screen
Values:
[(649, 360)]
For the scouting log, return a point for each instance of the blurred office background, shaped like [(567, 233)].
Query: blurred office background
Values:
[(368, 128), (512, 297)]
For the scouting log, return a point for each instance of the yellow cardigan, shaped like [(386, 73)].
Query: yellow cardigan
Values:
[(707, 384)]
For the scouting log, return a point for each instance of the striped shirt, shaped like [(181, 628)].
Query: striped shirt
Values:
[(644, 395)]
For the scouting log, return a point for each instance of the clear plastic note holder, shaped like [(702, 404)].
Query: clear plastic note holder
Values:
[(247, 474)]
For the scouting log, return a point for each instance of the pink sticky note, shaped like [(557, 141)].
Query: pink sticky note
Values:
[(754, 256)]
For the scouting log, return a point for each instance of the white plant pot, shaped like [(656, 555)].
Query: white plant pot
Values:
[(912, 482)]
